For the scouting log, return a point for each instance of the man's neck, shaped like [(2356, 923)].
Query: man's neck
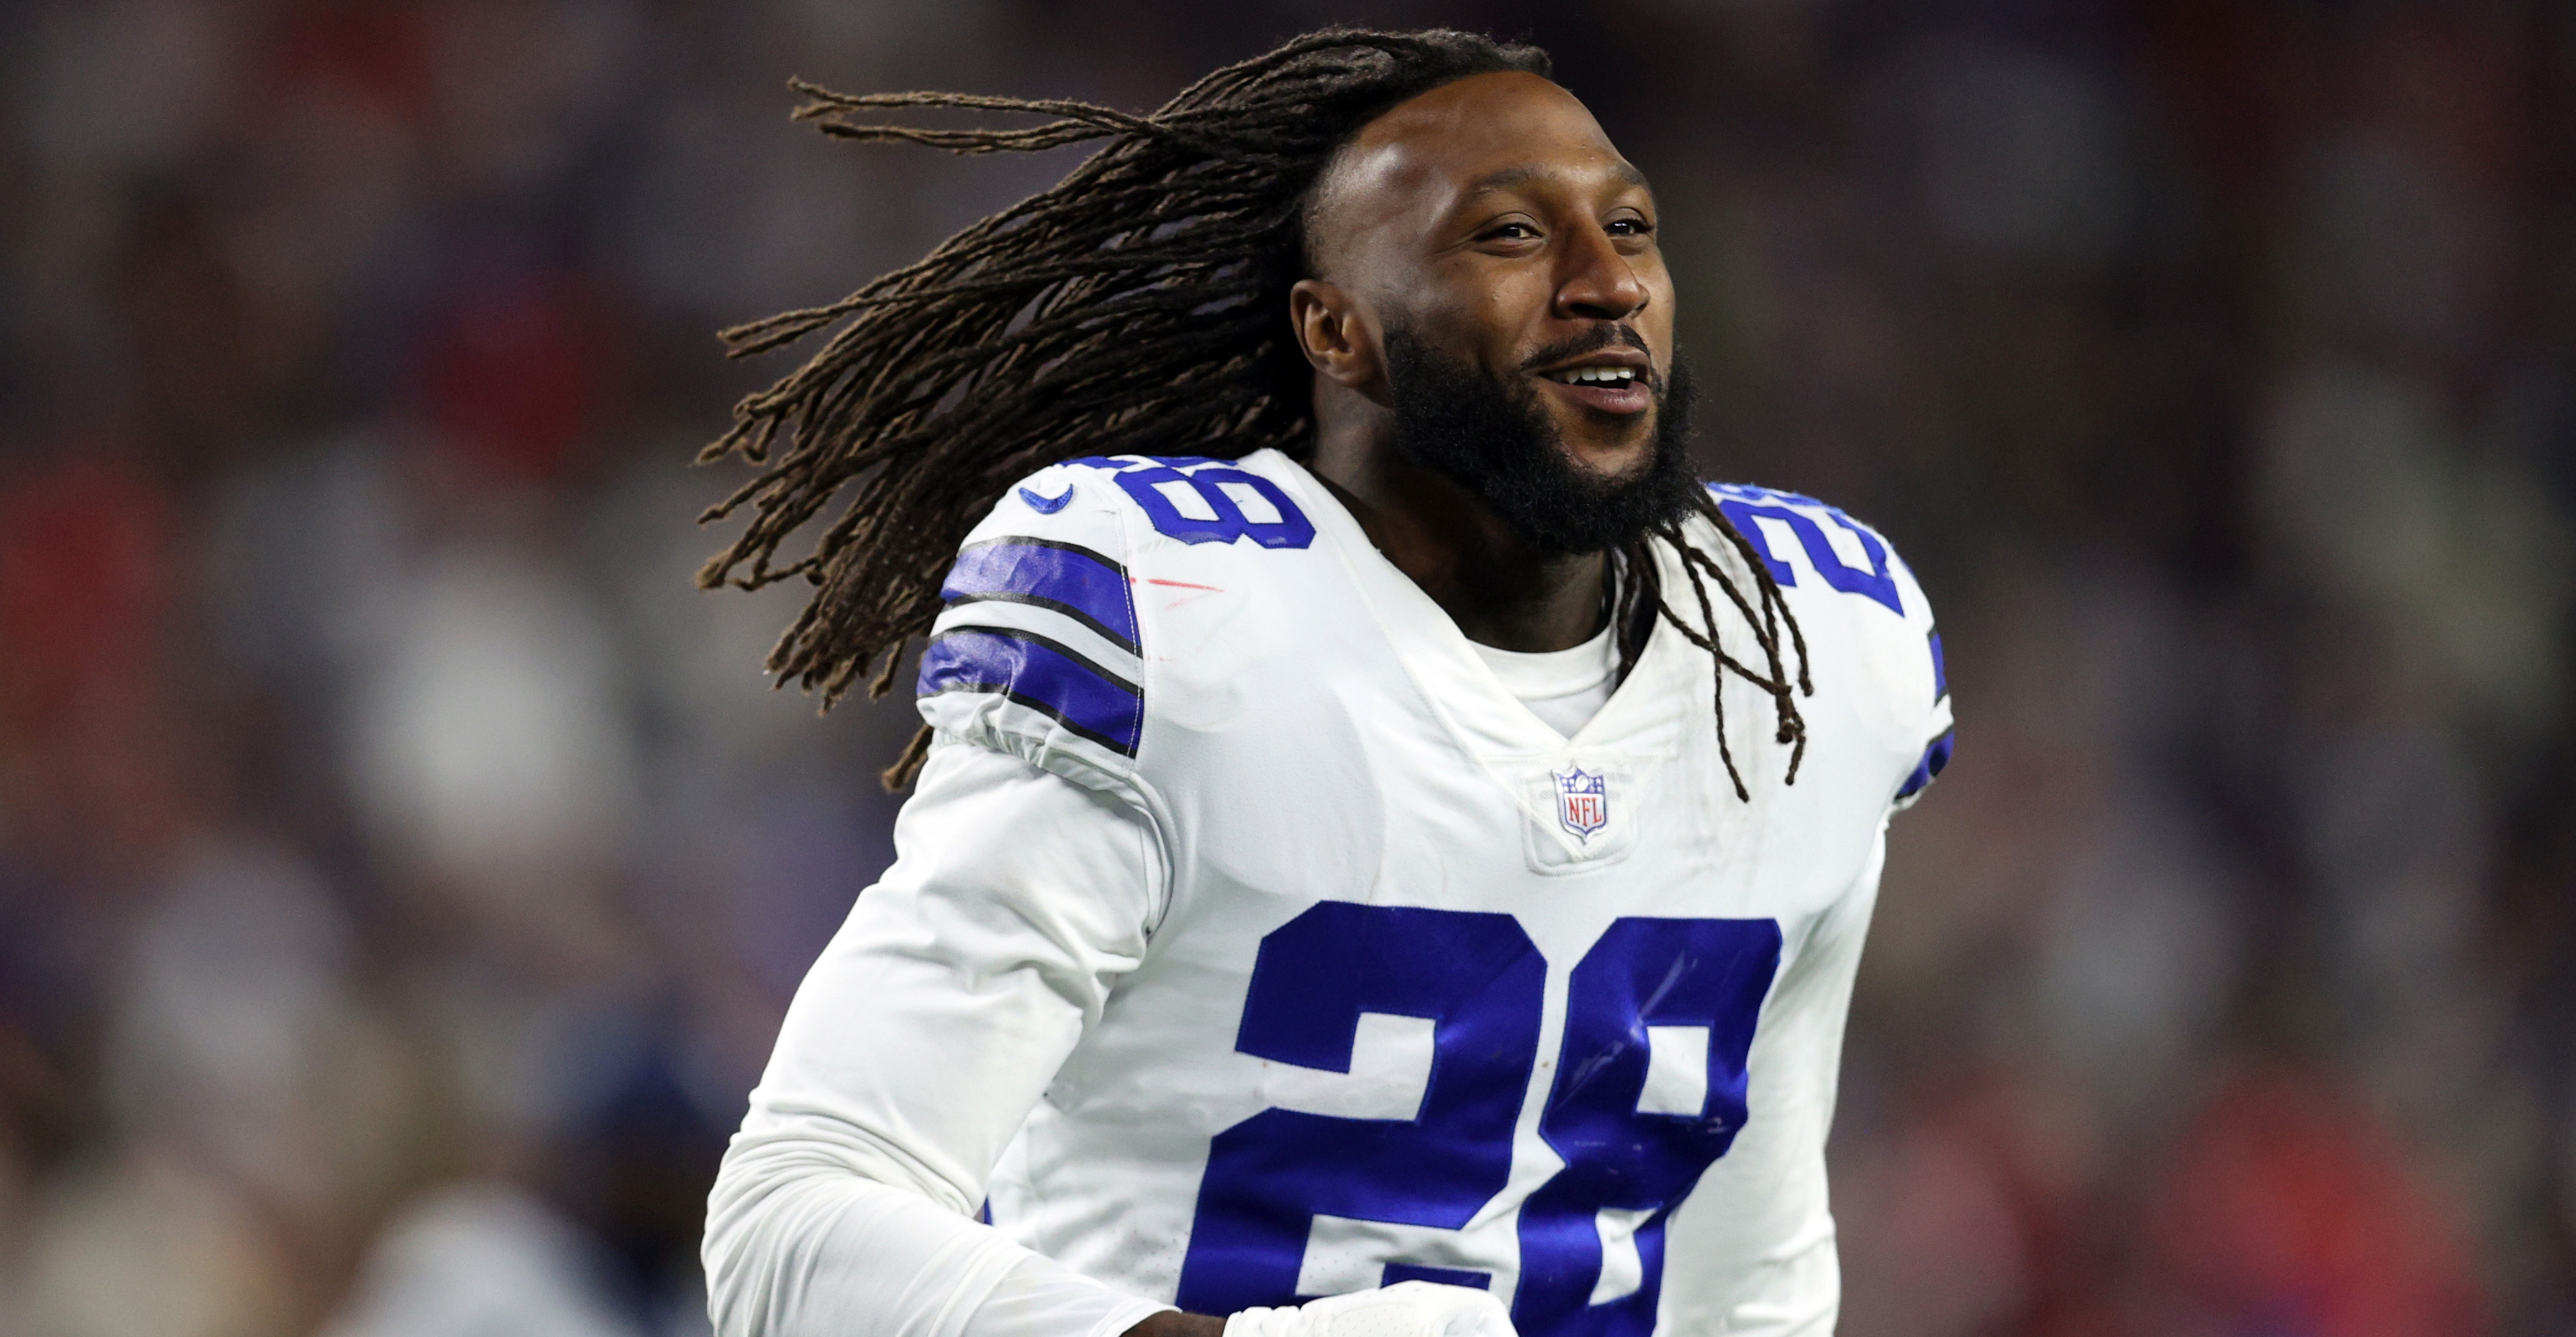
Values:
[(1501, 589)]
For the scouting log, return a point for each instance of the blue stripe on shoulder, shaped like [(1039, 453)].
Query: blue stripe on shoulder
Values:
[(1070, 579), (1040, 674), (1934, 758)]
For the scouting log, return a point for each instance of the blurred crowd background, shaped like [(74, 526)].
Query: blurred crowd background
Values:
[(403, 867)]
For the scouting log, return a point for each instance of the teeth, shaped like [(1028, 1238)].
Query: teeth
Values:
[(1595, 375)]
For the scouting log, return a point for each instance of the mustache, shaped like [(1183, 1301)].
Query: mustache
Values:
[(1593, 341)]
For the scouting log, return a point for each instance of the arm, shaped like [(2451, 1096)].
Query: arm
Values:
[(917, 1044), (846, 1206)]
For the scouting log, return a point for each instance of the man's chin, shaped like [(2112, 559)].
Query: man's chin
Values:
[(1568, 478), (1610, 461)]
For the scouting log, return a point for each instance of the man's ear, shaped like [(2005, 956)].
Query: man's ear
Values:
[(1336, 336)]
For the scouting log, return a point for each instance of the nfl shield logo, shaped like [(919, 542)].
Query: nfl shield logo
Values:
[(1582, 802)]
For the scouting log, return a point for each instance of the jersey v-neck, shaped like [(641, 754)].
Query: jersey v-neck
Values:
[(1567, 687), (1461, 684)]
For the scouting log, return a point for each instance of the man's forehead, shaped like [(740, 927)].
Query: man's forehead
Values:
[(1484, 133), (1482, 111)]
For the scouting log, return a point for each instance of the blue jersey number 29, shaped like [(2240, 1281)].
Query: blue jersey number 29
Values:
[(1630, 1152)]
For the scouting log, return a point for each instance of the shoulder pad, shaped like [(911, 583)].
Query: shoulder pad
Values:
[(1199, 500), (1038, 652), (1803, 540), (1838, 550)]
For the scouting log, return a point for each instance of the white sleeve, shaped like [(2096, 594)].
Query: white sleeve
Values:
[(847, 1205)]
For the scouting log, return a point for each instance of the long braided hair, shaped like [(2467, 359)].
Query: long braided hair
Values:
[(1136, 307)]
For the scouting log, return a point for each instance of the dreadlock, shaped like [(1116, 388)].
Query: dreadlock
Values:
[(1134, 308)]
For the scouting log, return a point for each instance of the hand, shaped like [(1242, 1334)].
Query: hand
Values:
[(1405, 1309)]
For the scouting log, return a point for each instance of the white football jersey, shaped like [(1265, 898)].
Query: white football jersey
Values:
[(1415, 986)]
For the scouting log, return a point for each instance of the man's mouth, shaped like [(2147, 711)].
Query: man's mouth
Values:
[(1593, 375), (1612, 383)]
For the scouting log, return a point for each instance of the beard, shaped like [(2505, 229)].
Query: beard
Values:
[(1496, 440)]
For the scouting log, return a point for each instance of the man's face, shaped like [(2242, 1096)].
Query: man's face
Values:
[(1491, 223)]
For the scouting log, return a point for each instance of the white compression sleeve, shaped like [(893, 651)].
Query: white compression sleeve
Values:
[(1042, 1298), (913, 1050)]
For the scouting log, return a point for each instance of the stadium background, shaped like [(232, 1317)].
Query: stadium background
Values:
[(402, 867)]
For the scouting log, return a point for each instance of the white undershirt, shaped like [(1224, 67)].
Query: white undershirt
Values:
[(1566, 688)]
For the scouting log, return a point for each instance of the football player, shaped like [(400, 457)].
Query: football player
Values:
[(1390, 847)]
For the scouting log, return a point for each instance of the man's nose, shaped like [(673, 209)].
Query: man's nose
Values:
[(1598, 283)]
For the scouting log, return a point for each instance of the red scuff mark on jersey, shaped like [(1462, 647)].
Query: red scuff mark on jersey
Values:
[(1184, 585)]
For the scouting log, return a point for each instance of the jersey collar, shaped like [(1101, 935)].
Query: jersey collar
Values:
[(1455, 682)]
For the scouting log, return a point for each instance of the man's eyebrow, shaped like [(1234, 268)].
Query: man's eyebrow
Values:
[(1512, 177)]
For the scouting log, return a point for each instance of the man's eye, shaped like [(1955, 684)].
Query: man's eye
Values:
[(1513, 232), (1630, 227)]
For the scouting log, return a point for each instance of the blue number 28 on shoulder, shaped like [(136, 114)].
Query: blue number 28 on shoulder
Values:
[(1630, 1153)]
